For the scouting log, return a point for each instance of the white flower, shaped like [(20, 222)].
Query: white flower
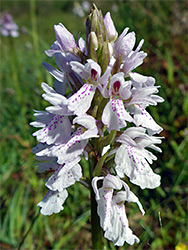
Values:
[(65, 176), (74, 147), (132, 159), (114, 114), (143, 118), (55, 128), (111, 209), (52, 202), (80, 102)]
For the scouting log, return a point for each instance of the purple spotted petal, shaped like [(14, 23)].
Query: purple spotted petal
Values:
[(115, 116), (80, 102), (57, 131), (131, 162), (65, 176), (144, 119)]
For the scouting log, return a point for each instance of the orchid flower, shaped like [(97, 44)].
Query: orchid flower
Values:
[(114, 114), (111, 209), (132, 159), (74, 147)]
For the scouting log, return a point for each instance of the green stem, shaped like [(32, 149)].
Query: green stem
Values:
[(95, 224), (95, 221)]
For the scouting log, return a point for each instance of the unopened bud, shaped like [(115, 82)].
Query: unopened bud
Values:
[(109, 25), (93, 40)]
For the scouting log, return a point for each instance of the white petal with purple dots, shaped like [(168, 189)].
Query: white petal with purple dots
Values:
[(65, 176), (52, 202), (58, 130), (131, 161), (80, 102), (143, 118)]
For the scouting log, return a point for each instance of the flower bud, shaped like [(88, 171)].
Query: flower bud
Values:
[(109, 25), (93, 40)]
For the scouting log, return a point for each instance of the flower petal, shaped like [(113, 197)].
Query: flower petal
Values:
[(58, 130), (52, 202), (114, 115), (80, 102), (131, 162), (65, 176), (144, 119)]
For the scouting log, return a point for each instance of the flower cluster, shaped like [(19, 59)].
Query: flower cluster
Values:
[(7, 25), (104, 117)]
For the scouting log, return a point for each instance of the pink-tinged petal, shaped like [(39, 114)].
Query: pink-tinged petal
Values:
[(112, 182), (52, 202), (133, 62), (82, 45), (58, 130), (140, 81), (144, 119), (104, 207), (60, 76), (131, 162), (78, 68), (80, 102), (65, 176), (129, 196), (64, 37), (86, 121), (124, 45), (103, 80), (59, 110), (109, 25), (115, 116)]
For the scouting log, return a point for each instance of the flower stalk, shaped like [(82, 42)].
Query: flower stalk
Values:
[(96, 230)]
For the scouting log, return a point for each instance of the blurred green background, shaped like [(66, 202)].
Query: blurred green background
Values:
[(163, 25)]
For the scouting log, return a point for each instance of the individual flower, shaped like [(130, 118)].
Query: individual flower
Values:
[(65, 42), (80, 102), (111, 209), (55, 128), (7, 25), (123, 48), (63, 177), (114, 114), (74, 147), (132, 158)]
